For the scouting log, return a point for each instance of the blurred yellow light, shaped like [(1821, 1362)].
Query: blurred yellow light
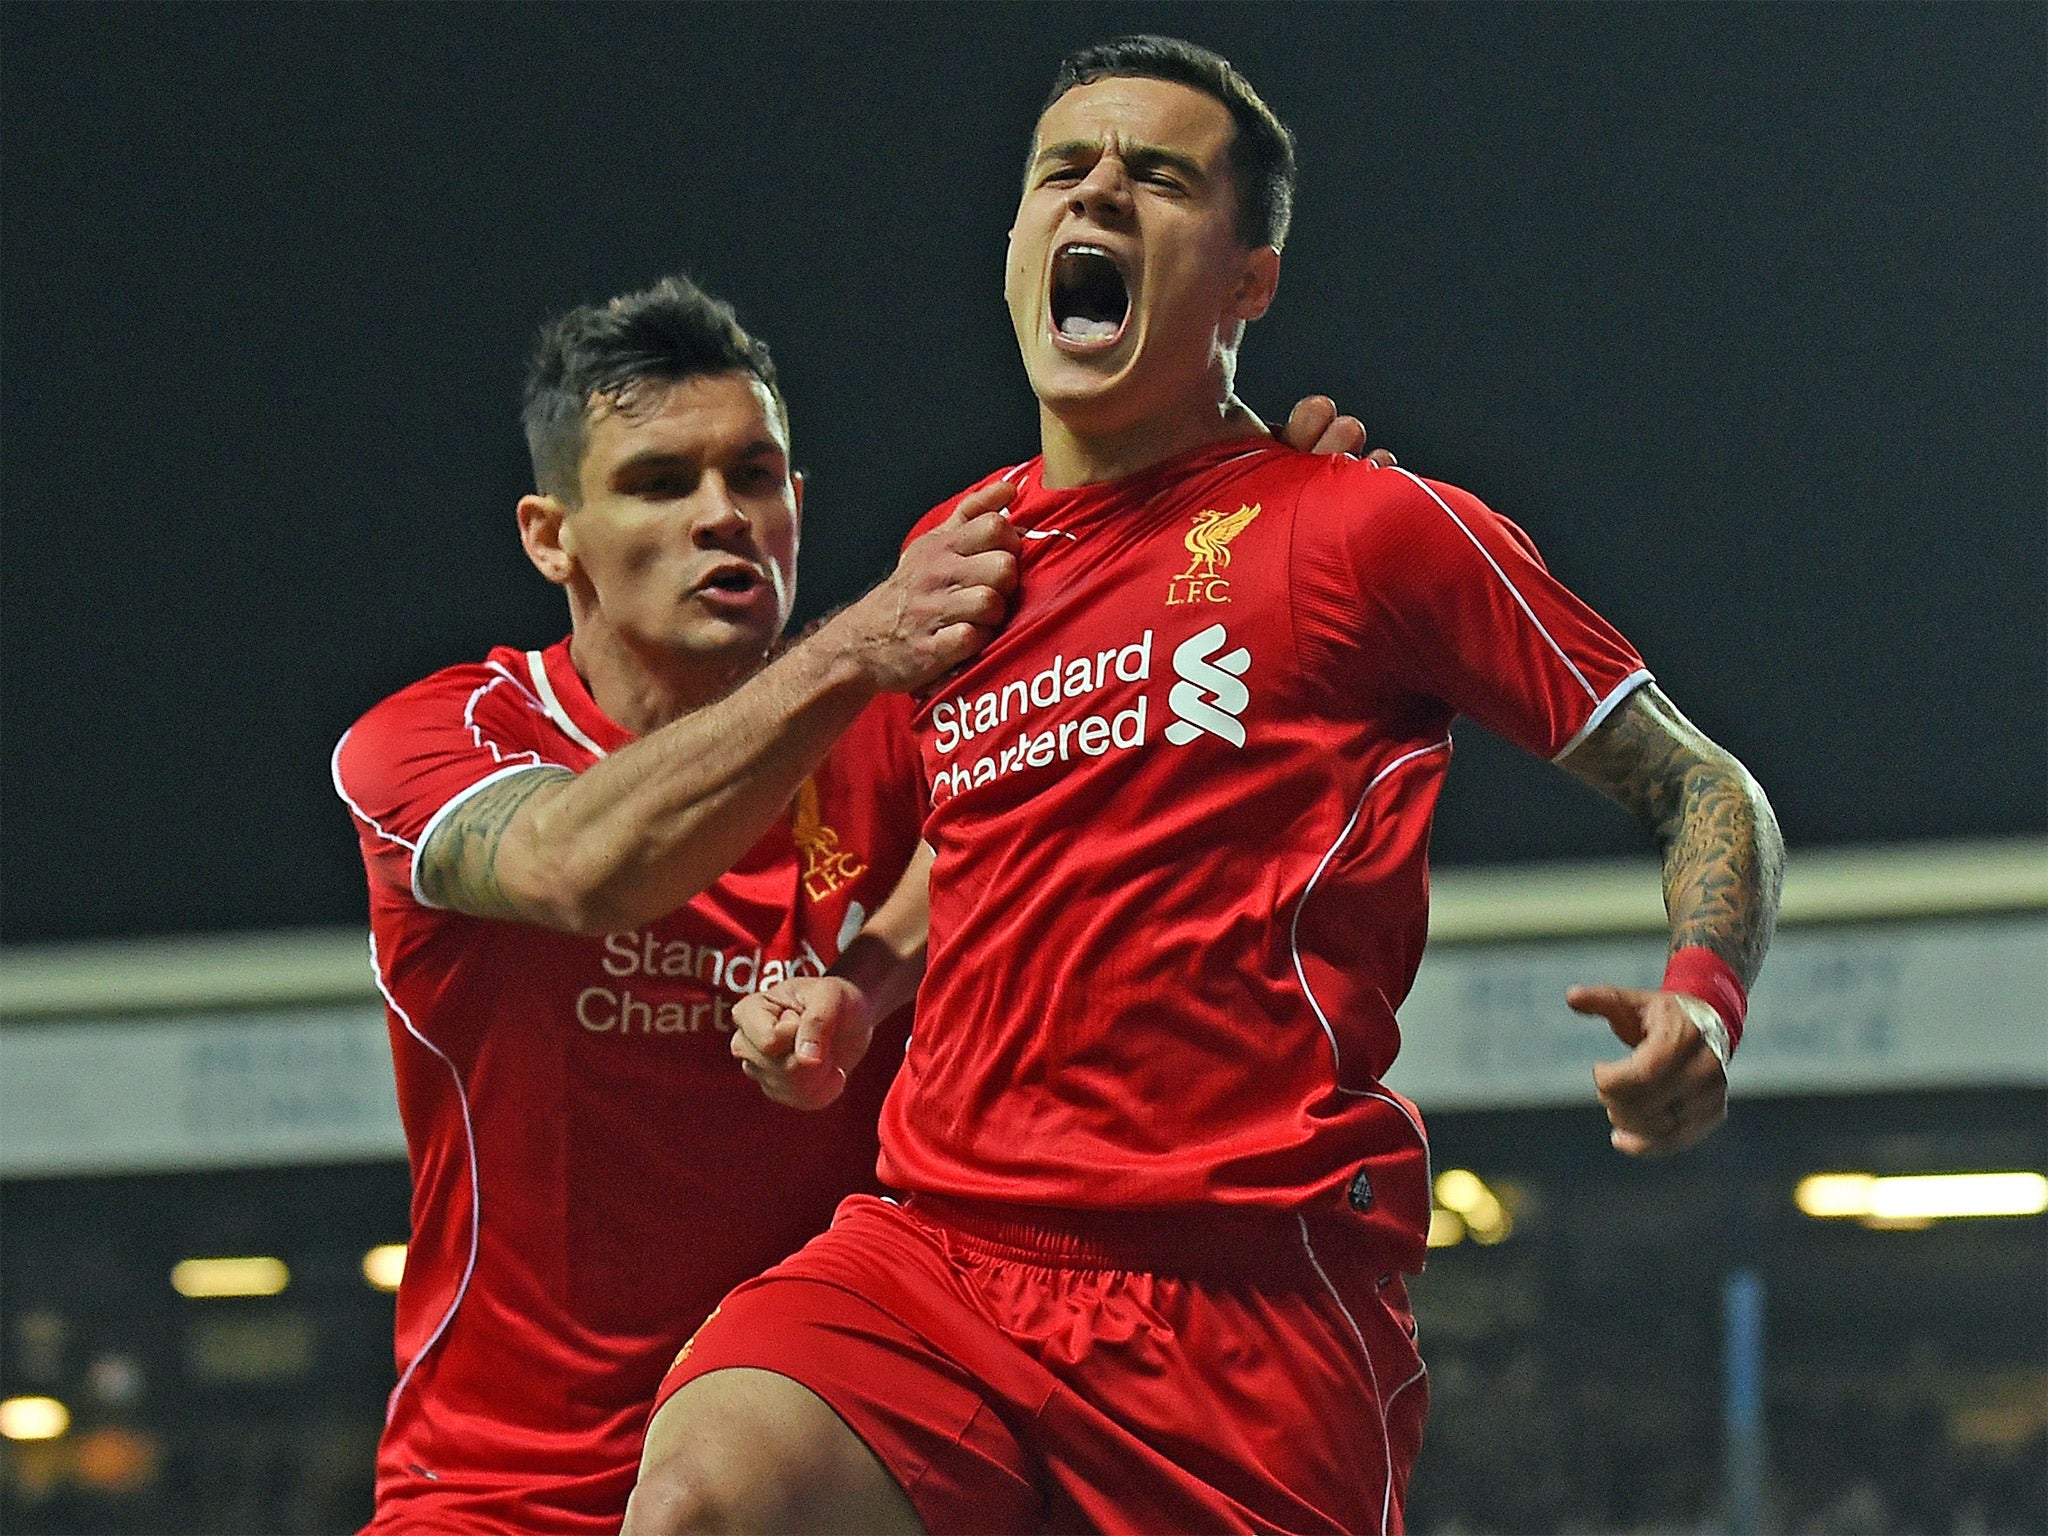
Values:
[(1911, 1200), (230, 1277), (1834, 1194), (1462, 1193), (1446, 1228), (1460, 1189), (1490, 1225), (384, 1266), (33, 1418), (1936, 1195)]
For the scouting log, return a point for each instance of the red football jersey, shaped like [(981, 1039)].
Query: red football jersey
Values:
[(591, 1169), (1181, 809)]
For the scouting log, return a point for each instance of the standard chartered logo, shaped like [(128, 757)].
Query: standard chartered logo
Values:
[(1208, 698), (1081, 691), (639, 958)]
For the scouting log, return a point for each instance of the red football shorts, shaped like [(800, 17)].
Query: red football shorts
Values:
[(1031, 1371)]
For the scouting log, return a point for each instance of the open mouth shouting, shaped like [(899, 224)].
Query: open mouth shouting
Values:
[(1091, 299), (733, 585)]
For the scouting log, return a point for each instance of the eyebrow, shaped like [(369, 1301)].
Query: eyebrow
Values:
[(663, 458), (1138, 156)]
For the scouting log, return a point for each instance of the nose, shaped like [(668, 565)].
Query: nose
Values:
[(720, 517), (1104, 194)]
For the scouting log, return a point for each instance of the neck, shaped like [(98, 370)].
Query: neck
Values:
[(643, 691), (1077, 454)]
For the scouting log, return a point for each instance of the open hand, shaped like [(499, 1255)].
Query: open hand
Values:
[(800, 1038), (1670, 1090), (946, 599)]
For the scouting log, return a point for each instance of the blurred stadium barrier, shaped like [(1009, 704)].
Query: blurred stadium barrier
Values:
[(1904, 967)]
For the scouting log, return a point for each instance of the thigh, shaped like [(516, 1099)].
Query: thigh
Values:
[(869, 1321), (705, 1466)]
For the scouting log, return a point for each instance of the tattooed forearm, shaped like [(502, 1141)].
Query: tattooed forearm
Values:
[(458, 867), (1723, 858)]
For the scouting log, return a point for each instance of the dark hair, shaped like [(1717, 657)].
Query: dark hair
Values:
[(1262, 153), (607, 352)]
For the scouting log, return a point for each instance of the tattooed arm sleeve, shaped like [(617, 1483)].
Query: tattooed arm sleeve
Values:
[(1723, 858), (458, 863)]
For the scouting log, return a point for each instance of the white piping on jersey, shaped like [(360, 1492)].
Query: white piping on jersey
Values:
[(542, 682), (1515, 591), (1371, 1371), (1315, 1003), (1239, 457), (531, 760), (1294, 928), (1420, 1372), (334, 771), (476, 1197), (1386, 1417), (1016, 470), (476, 732), (461, 797), (1622, 690), (1015, 476)]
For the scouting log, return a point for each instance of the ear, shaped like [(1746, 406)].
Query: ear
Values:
[(1257, 284), (540, 532), (796, 483)]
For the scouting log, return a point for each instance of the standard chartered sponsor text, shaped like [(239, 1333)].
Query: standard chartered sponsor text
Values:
[(636, 954), (961, 719)]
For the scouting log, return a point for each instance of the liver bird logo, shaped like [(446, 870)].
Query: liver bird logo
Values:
[(826, 865), (1209, 540)]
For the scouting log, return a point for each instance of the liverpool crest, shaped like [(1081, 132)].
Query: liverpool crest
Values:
[(1208, 543), (827, 866)]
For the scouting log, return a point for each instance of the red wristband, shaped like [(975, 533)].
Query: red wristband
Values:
[(1701, 973)]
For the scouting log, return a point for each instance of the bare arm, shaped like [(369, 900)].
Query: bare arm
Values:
[(1724, 861), (1723, 866), (642, 831), (885, 961), (800, 1038)]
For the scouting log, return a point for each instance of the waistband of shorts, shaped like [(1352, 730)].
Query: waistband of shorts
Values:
[(1195, 1241)]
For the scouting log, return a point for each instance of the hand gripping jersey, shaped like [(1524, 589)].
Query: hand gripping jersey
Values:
[(1181, 810), (591, 1170)]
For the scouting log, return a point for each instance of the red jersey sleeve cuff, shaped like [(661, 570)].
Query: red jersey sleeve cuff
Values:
[(1607, 706)]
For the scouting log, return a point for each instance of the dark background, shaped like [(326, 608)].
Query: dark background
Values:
[(1738, 309)]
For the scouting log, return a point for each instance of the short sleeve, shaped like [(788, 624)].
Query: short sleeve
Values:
[(422, 752), (1456, 601)]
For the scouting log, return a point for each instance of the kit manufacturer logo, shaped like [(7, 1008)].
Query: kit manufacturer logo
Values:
[(1208, 542), (1208, 698)]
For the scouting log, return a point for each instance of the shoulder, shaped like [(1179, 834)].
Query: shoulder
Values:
[(1340, 483), (485, 706), (458, 688), (1395, 514)]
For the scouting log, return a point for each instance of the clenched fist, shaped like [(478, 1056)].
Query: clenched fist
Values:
[(800, 1038)]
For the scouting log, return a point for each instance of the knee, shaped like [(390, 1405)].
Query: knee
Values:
[(693, 1490), (749, 1450)]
